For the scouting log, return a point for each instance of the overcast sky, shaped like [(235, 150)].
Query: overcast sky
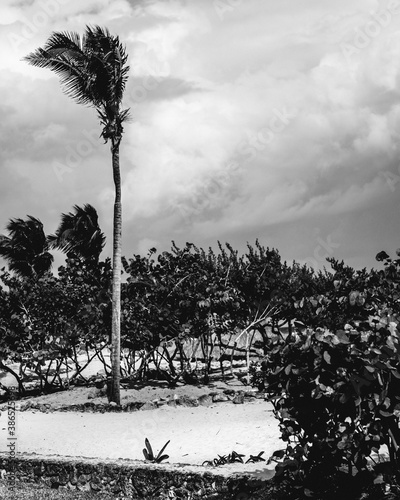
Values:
[(277, 120)]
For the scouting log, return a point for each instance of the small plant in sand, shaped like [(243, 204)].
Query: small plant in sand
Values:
[(232, 458), (256, 458), (149, 455)]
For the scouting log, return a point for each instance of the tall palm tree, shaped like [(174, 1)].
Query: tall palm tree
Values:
[(79, 234), (93, 71), (26, 249)]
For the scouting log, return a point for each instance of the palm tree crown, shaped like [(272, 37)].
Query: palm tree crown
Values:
[(79, 234), (93, 71), (26, 248)]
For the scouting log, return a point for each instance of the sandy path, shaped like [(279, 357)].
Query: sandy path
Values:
[(196, 434)]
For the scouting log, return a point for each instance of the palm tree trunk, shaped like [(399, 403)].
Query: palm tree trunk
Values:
[(114, 395)]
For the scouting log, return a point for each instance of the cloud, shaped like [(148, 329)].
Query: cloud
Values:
[(266, 115)]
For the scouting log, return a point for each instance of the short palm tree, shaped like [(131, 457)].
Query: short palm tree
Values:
[(26, 249), (93, 71), (79, 234)]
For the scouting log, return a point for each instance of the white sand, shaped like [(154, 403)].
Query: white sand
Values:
[(196, 434)]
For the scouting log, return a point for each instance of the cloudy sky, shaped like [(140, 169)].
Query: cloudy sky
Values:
[(277, 120)]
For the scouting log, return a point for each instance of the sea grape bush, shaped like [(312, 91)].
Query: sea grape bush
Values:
[(335, 298), (336, 392), (186, 294), (46, 322)]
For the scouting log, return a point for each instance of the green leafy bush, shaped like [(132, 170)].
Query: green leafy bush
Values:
[(337, 398)]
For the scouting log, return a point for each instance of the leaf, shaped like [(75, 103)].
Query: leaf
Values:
[(353, 297), (342, 337), (327, 357), (278, 454), (163, 448), (396, 374), (149, 448), (379, 479)]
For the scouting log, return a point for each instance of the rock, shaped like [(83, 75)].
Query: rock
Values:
[(83, 487), (73, 478), (238, 399), (63, 478), (47, 482), (53, 469), (133, 406), (229, 392), (84, 478), (100, 383), (95, 483), (149, 405), (38, 471), (205, 400), (89, 406), (187, 401), (114, 407), (97, 393), (220, 398)]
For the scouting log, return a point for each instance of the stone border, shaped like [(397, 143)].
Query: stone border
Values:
[(227, 395), (133, 479)]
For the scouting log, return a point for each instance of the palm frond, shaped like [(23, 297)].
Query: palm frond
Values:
[(93, 71), (26, 247), (79, 233), (73, 75)]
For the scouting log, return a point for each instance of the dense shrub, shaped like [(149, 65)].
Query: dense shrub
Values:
[(336, 395), (47, 322)]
